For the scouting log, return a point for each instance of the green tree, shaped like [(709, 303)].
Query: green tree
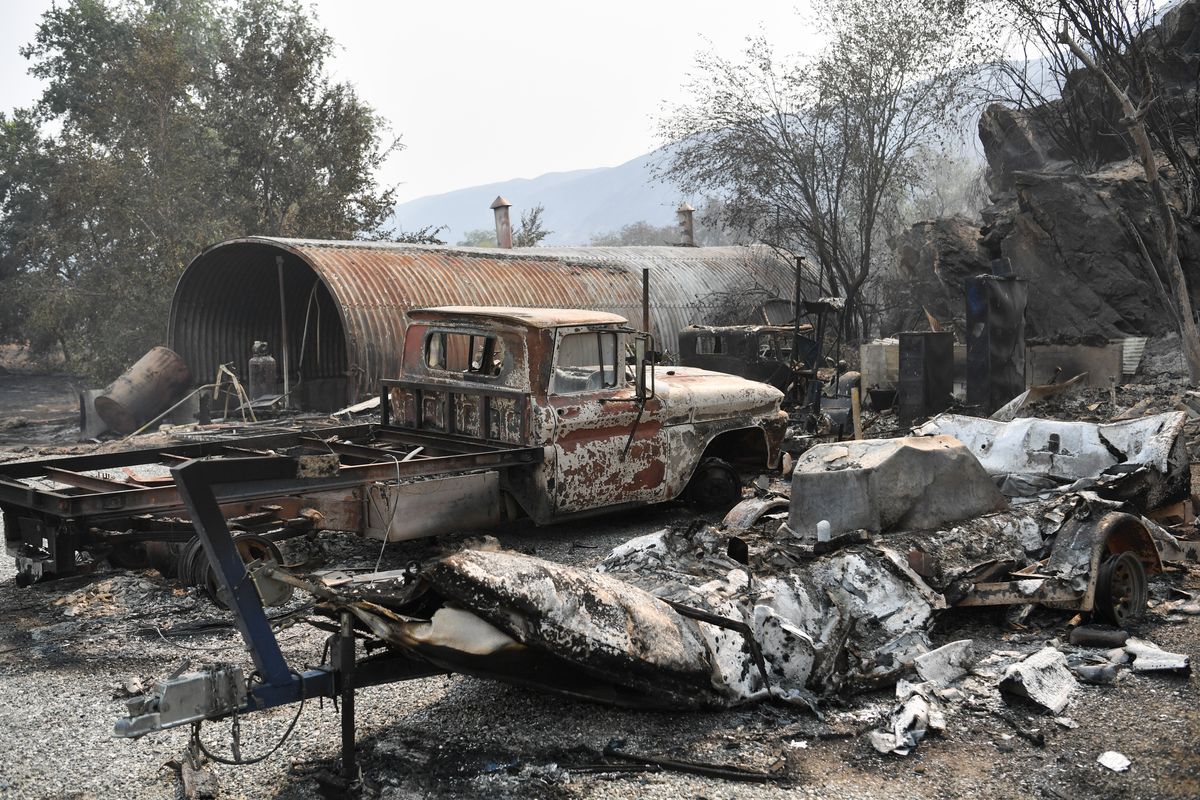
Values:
[(532, 229), (708, 231), (478, 237), (164, 127), (636, 234)]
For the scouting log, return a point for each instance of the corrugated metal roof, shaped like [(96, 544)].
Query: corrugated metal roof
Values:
[(347, 302), (529, 317)]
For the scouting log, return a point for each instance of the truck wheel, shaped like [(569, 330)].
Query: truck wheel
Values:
[(714, 486), (1120, 590)]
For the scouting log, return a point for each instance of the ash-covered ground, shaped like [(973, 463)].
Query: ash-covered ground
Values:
[(70, 651)]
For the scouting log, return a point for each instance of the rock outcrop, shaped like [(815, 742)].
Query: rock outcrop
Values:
[(1075, 232)]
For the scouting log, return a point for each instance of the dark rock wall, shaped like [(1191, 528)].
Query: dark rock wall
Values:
[(1068, 229)]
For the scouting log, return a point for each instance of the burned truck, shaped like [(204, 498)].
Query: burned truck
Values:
[(498, 414), (758, 352)]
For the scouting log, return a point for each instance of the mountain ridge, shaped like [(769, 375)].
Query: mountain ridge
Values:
[(579, 204)]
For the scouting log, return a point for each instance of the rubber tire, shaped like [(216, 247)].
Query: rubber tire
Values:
[(129, 556), (249, 546), (715, 486), (1120, 611)]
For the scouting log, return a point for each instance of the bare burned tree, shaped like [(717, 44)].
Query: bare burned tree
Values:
[(810, 154), (1117, 45)]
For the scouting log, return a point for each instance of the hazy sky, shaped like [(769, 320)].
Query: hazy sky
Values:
[(485, 91)]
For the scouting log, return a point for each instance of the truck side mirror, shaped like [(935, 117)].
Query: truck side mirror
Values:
[(645, 367)]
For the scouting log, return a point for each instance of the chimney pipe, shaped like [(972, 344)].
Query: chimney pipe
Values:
[(503, 226), (686, 228)]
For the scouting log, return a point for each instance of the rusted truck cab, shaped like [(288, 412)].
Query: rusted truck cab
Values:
[(614, 434)]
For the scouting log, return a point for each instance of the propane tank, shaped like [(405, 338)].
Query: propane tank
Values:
[(263, 374)]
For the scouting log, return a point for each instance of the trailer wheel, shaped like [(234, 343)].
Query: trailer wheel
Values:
[(251, 547), (714, 486), (129, 556), (1120, 589)]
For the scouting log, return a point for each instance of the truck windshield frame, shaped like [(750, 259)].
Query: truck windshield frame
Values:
[(586, 361)]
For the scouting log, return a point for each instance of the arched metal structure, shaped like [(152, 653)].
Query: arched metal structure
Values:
[(346, 303)]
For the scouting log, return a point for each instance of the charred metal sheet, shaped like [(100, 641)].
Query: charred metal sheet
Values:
[(672, 620), (1034, 394), (1143, 461), (430, 507), (353, 298)]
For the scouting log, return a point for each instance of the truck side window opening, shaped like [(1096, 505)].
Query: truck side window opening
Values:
[(768, 347), (707, 344), (464, 353), (586, 362)]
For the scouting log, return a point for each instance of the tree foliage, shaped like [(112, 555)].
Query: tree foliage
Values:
[(708, 230), (812, 154), (478, 237), (532, 229), (164, 127)]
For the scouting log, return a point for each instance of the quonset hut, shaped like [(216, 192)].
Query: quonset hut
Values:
[(345, 305)]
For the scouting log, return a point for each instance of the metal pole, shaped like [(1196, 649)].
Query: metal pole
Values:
[(646, 299), (796, 330), (346, 677), (287, 367)]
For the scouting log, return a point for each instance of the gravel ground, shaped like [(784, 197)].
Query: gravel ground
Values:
[(68, 648)]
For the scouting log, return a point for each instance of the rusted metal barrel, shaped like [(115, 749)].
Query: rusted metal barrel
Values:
[(158, 379)]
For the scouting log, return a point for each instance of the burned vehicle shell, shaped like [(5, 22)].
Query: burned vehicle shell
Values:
[(559, 380), (756, 352)]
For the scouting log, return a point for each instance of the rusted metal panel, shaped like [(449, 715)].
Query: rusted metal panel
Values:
[(431, 507), (348, 301)]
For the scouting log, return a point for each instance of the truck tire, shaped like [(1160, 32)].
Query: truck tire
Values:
[(1121, 591), (715, 486)]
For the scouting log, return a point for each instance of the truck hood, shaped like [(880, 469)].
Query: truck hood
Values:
[(691, 394)]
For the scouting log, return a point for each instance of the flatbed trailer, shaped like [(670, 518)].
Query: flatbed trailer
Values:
[(56, 509), (222, 690)]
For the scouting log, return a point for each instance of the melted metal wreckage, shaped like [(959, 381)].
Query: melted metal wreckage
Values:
[(1142, 461), (704, 617)]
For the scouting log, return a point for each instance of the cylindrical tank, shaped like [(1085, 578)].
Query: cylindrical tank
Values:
[(148, 388), (263, 373)]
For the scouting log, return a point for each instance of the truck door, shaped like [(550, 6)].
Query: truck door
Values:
[(595, 410)]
